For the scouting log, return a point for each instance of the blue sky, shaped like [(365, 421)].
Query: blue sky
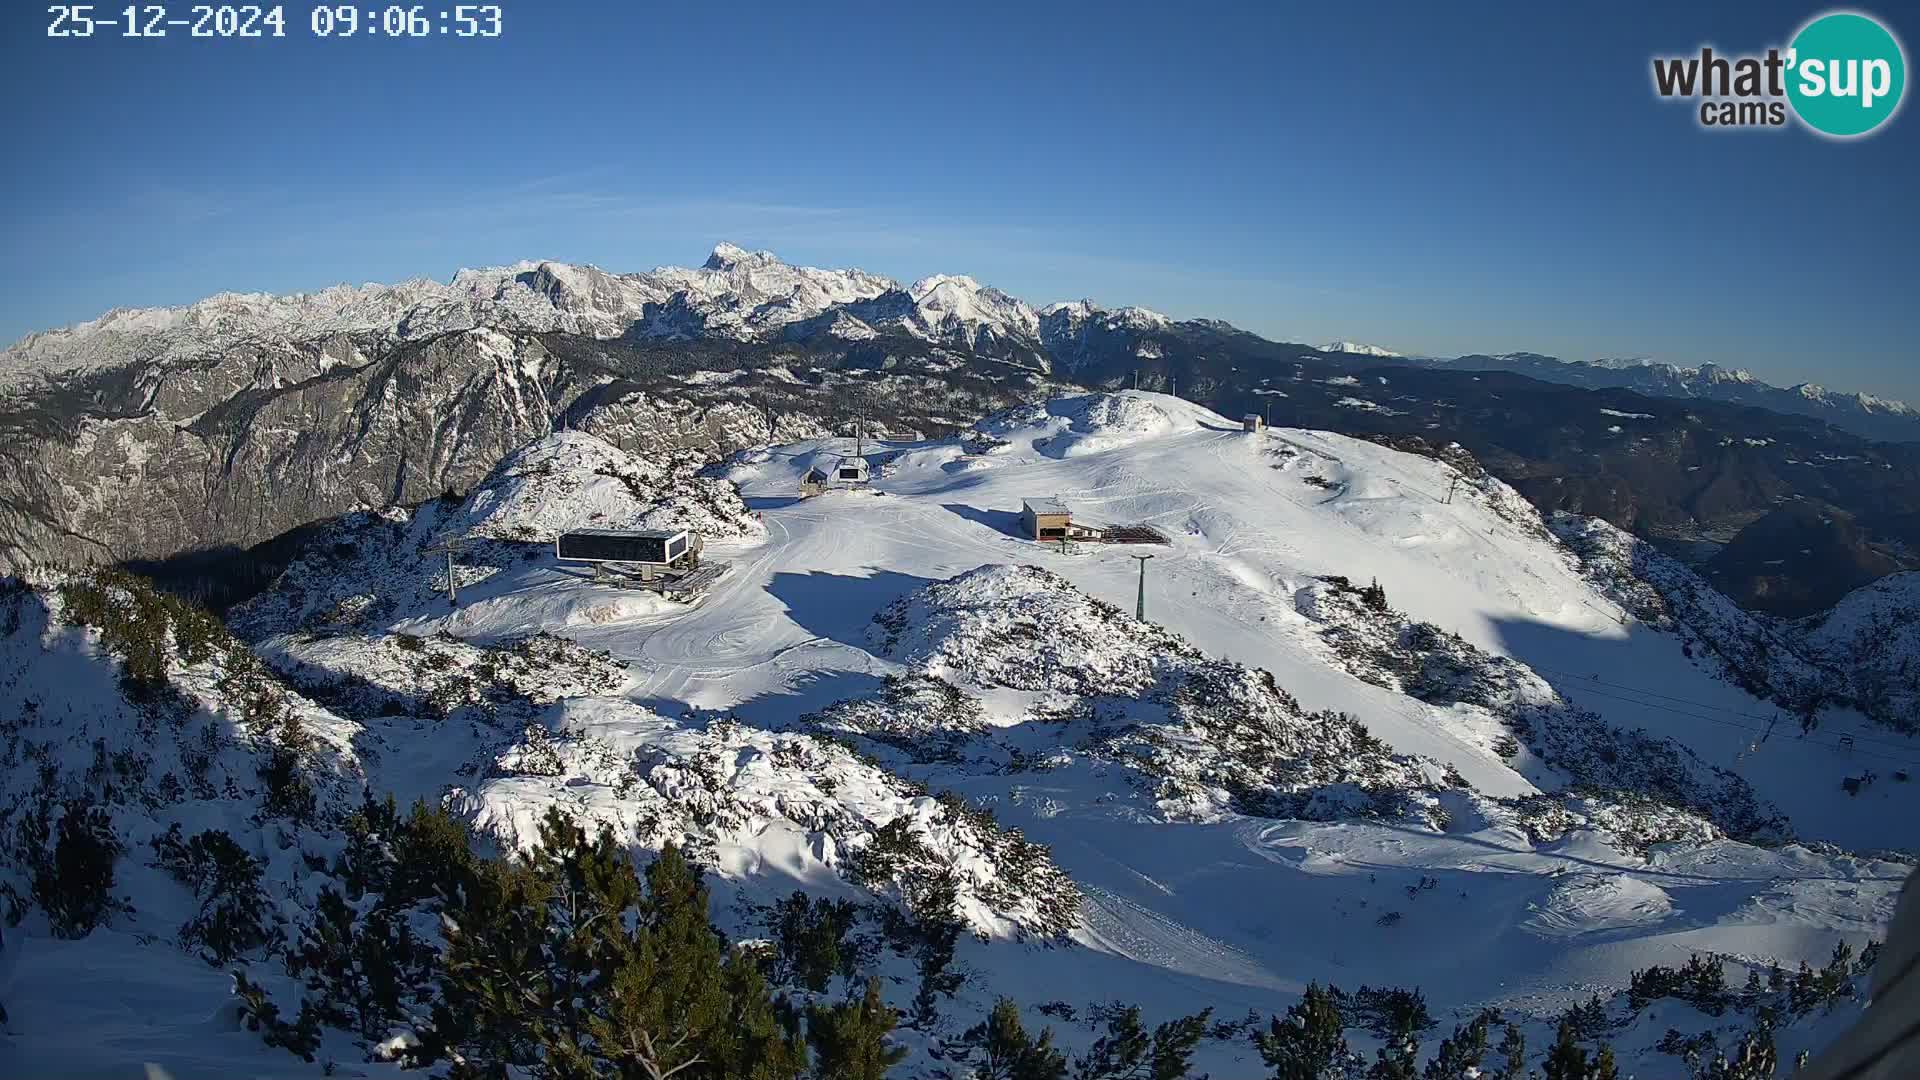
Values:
[(1436, 178)]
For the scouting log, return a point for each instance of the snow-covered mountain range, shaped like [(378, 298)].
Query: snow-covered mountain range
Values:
[(1355, 348), (735, 295), (742, 295), (207, 430), (1864, 414), (1385, 727)]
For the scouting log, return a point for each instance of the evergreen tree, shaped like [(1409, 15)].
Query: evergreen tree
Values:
[(937, 932), (810, 941), (590, 886), (288, 794), (432, 855), (559, 964), (1836, 979), (1754, 1059), (234, 912), (666, 1002), (850, 1040), (259, 1013), (1513, 1053), (1396, 1061), (1127, 1052), (1310, 1043), (366, 863), (1012, 1054), (1403, 1015), (1704, 984), (761, 1039), (1460, 1055), (1374, 596), (1803, 993), (1568, 1060), (492, 977), (363, 969), (73, 880)]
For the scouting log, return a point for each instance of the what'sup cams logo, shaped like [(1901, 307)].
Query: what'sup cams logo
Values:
[(1842, 76)]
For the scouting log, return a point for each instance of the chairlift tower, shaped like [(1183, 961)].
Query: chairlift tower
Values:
[(1140, 604), (449, 547)]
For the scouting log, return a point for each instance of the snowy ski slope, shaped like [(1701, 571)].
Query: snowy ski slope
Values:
[(1233, 912)]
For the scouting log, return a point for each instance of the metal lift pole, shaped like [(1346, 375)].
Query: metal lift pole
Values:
[(449, 546), (1140, 604)]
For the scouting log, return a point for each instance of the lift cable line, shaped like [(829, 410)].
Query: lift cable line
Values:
[(1843, 743), (1744, 727), (1649, 693), (1768, 720)]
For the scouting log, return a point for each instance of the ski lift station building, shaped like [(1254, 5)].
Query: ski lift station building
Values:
[(845, 473), (852, 470), (1046, 519), (652, 551)]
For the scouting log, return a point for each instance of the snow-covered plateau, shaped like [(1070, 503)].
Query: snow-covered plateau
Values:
[(1383, 726)]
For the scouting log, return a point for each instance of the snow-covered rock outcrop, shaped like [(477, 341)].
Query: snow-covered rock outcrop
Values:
[(770, 809), (378, 569), (1209, 735), (1872, 639), (1092, 423), (1553, 742), (570, 480)]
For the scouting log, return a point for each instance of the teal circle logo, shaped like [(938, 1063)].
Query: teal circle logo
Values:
[(1846, 74)]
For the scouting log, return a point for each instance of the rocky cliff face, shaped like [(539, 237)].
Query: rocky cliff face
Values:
[(261, 442), (257, 443), (144, 434)]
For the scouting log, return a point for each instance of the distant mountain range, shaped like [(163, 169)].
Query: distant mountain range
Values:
[(1862, 414), (223, 424), (752, 296), (1356, 348)]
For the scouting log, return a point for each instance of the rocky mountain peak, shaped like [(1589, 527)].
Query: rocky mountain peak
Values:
[(727, 256)]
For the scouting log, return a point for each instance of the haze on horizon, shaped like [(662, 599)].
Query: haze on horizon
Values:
[(1390, 176)]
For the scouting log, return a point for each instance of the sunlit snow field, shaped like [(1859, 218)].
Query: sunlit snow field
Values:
[(1236, 913)]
